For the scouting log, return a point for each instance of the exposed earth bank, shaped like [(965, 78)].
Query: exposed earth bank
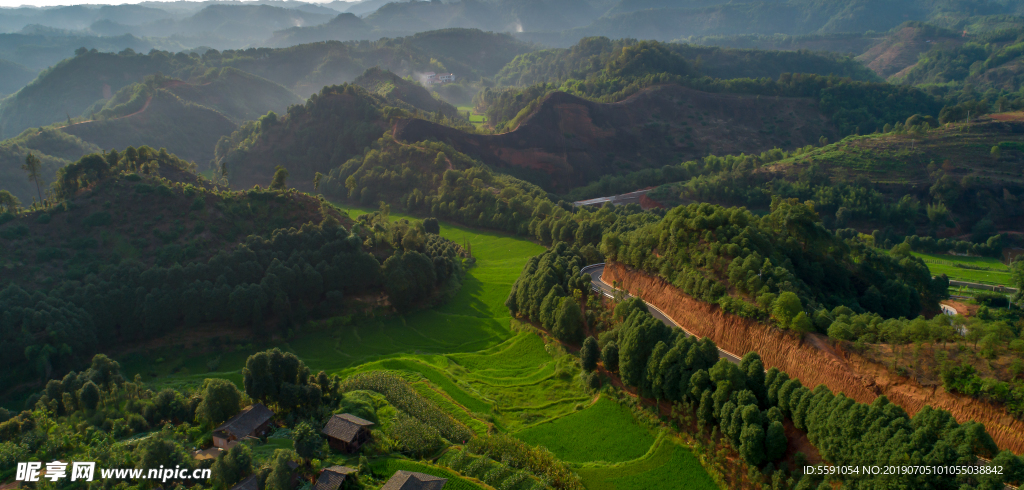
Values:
[(813, 361)]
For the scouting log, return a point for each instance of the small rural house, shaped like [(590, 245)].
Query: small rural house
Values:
[(346, 432), (411, 480), (253, 421), (433, 78), (332, 478)]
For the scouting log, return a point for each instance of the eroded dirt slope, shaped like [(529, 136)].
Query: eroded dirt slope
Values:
[(812, 361)]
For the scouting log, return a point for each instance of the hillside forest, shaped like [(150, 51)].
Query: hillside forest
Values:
[(511, 245)]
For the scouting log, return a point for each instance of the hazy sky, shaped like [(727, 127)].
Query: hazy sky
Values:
[(49, 3)]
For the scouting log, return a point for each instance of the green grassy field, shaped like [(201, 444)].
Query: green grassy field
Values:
[(476, 119), (985, 270), (462, 355), (605, 431), (475, 319), (667, 466)]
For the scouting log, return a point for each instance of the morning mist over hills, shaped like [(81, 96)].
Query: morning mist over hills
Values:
[(512, 245)]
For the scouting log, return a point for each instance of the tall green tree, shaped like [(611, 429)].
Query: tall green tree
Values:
[(774, 441), (89, 396), (33, 166), (308, 442), (610, 356), (221, 400), (569, 321), (280, 476), (231, 466), (589, 354), (786, 307), (8, 201), (280, 176)]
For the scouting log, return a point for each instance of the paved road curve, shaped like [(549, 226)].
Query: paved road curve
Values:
[(595, 271)]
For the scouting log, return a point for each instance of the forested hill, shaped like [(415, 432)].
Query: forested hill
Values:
[(13, 76), (75, 86), (402, 93), (960, 186), (138, 246), (591, 55), (185, 118), (567, 141), (333, 126), (610, 71)]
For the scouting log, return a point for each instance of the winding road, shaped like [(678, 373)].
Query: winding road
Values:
[(597, 284)]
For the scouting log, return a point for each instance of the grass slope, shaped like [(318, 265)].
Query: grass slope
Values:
[(462, 356), (476, 318), (972, 269), (667, 466), (605, 432)]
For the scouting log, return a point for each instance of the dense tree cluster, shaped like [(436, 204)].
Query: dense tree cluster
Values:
[(592, 53), (327, 130), (265, 283), (550, 291), (97, 166), (606, 71), (748, 406), (780, 264)]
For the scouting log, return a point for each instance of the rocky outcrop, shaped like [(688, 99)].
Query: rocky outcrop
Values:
[(812, 360)]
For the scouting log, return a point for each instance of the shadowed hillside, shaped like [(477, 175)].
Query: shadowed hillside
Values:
[(569, 141), (402, 93), (69, 88), (901, 49), (13, 76), (158, 125)]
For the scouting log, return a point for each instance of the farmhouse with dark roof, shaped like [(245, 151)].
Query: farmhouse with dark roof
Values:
[(411, 480), (251, 422), (333, 477), (346, 432)]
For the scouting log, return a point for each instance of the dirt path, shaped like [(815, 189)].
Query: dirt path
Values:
[(140, 111)]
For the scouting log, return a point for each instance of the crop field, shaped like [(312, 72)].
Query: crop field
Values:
[(463, 356), (667, 466), (605, 431), (476, 119), (984, 270)]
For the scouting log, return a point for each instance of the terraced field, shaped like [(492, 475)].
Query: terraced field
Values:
[(667, 466), (605, 431), (985, 270), (466, 357)]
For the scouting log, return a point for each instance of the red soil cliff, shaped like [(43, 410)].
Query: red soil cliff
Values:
[(813, 361)]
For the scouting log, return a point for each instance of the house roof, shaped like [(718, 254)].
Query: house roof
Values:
[(246, 421), (247, 484), (331, 478), (411, 480), (345, 426)]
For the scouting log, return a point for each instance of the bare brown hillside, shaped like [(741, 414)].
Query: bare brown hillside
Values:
[(569, 141), (813, 361), (899, 50)]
